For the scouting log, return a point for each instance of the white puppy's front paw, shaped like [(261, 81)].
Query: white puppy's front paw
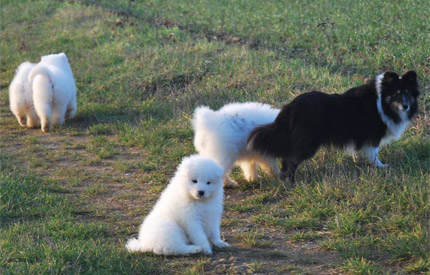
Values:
[(195, 249), (221, 244), (207, 250)]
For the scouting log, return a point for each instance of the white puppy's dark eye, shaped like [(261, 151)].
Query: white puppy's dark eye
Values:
[(208, 182), (194, 181)]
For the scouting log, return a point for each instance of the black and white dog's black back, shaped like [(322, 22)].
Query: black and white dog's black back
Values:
[(361, 119)]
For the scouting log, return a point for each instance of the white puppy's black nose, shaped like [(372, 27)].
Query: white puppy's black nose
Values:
[(201, 193)]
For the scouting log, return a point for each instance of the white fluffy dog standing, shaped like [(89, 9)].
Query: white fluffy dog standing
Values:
[(54, 90), (46, 88), (221, 135), (186, 219)]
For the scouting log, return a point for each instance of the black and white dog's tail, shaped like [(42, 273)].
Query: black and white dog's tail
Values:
[(269, 139), (273, 139)]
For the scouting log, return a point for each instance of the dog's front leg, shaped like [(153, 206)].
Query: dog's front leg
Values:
[(214, 231), (372, 155), (270, 166), (197, 235)]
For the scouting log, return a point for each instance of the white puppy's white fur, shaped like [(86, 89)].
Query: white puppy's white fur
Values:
[(44, 93), (186, 219), (21, 97), (221, 135)]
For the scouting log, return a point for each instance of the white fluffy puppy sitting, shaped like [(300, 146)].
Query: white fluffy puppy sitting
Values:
[(46, 89), (187, 217), (221, 135)]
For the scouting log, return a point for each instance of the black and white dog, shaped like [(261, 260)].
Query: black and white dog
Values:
[(361, 119)]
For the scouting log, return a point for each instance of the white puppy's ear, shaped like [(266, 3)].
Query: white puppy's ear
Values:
[(219, 172), (63, 55)]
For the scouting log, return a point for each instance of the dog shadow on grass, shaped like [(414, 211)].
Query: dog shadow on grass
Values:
[(101, 121)]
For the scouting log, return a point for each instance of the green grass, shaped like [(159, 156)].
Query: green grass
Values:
[(71, 198), (360, 266), (253, 239), (41, 233)]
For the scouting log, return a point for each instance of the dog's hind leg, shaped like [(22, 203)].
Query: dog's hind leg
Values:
[(228, 182), (20, 113), (289, 168), (270, 166), (71, 109), (32, 118), (21, 119), (303, 149), (249, 169), (58, 114)]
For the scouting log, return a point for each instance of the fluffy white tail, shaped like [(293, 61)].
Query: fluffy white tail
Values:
[(39, 69), (43, 95), (204, 118)]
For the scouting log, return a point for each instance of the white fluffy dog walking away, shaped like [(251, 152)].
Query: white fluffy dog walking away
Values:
[(54, 90), (187, 217), (221, 135), (47, 89)]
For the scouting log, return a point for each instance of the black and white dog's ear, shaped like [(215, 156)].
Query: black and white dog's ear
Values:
[(390, 76), (410, 76)]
